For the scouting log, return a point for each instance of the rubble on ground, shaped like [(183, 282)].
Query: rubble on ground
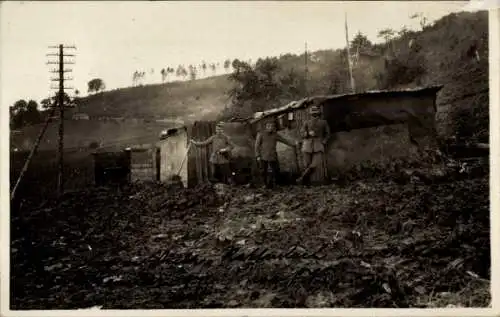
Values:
[(365, 243)]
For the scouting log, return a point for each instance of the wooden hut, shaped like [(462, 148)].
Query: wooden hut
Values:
[(374, 125)]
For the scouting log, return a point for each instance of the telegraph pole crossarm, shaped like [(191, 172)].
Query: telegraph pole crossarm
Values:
[(64, 46), (57, 63), (65, 88), (54, 54)]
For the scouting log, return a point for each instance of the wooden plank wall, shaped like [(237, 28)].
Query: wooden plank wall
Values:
[(199, 157), (142, 167), (350, 147), (199, 168), (286, 155), (172, 153), (290, 130), (299, 117)]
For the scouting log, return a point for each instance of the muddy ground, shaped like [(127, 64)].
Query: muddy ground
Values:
[(362, 243)]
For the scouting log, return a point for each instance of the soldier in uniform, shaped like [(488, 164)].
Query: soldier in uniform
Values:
[(265, 152), (220, 157), (315, 133)]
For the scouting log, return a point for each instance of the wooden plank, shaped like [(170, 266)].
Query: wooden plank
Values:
[(209, 149), (206, 152), (192, 176), (199, 157), (192, 161), (203, 152), (141, 164), (174, 153), (200, 152)]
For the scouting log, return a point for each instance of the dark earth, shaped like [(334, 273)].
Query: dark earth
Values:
[(406, 239)]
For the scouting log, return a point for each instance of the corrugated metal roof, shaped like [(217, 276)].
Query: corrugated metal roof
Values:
[(305, 102)]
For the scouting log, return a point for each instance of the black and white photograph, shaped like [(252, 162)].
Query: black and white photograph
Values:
[(246, 154)]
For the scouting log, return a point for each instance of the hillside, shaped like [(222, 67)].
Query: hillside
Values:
[(439, 54), (188, 100), (445, 48), (135, 115)]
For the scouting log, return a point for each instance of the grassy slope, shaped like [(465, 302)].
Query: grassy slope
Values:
[(79, 134), (465, 80), (195, 99), (139, 107), (443, 48)]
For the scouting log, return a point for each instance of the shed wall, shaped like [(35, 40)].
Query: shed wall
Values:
[(173, 150), (346, 149), (357, 112), (199, 168), (142, 166)]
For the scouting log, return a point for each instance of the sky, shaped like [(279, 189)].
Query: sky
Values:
[(115, 38)]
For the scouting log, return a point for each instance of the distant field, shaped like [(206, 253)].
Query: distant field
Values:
[(40, 181), (80, 134), (130, 116)]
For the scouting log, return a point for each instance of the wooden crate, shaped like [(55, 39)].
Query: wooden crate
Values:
[(111, 167), (142, 164)]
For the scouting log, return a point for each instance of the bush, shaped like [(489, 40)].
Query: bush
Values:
[(472, 122), (94, 145), (401, 71)]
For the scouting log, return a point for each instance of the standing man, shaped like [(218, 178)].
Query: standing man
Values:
[(315, 133), (265, 152), (219, 159)]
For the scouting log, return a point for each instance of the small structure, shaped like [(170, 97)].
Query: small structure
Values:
[(142, 163), (363, 125), (111, 167), (172, 152), (163, 161)]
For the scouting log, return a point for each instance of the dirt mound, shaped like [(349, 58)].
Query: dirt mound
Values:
[(365, 244)]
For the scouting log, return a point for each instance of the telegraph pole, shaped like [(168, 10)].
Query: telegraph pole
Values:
[(353, 88), (306, 70), (60, 103)]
